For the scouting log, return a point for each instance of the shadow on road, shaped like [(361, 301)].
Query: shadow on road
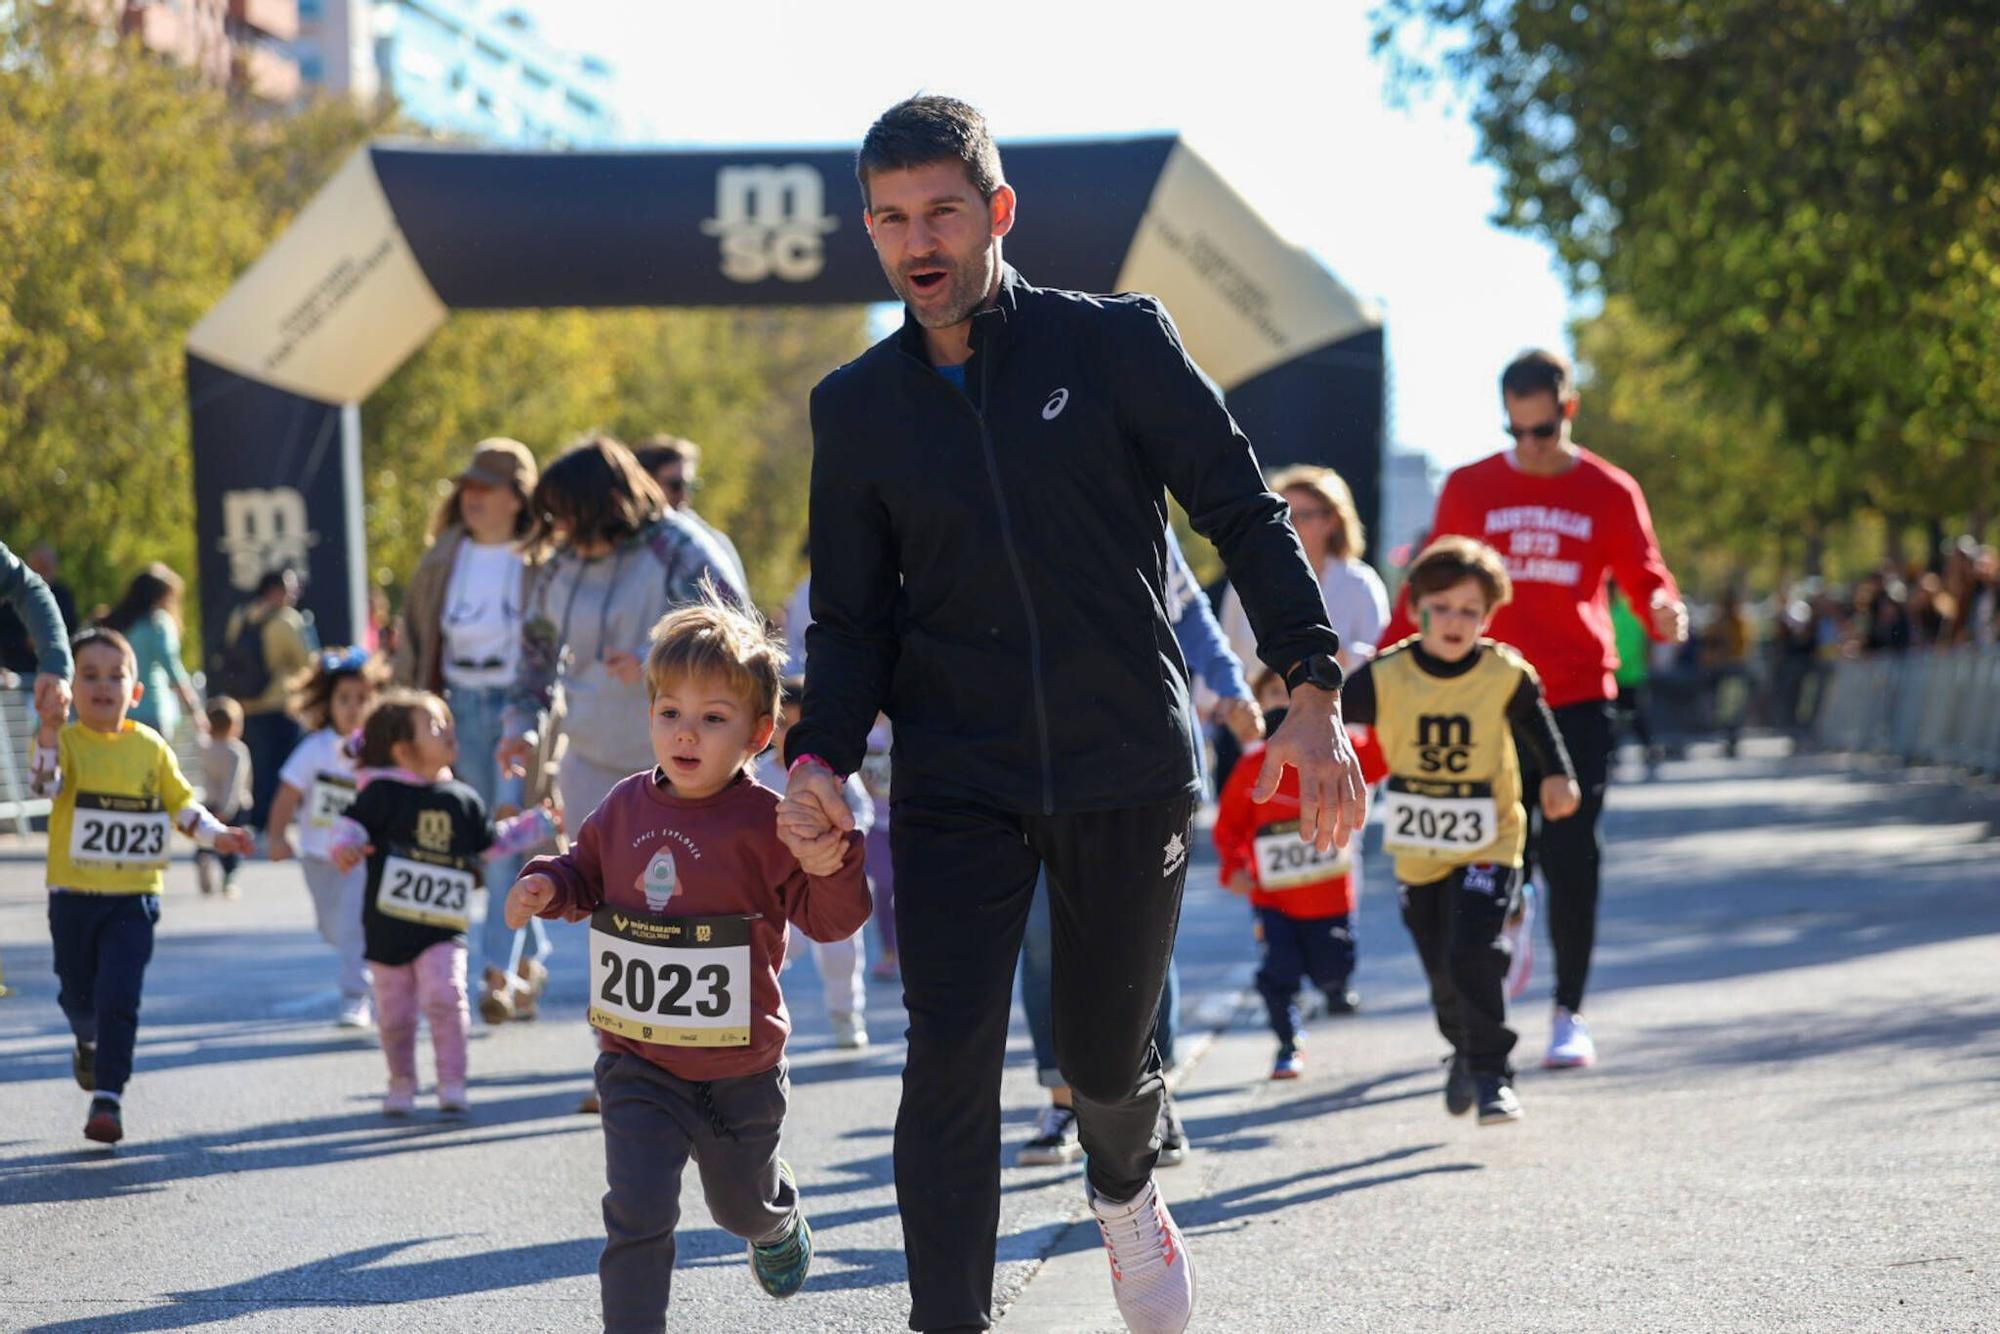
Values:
[(144, 1167), (354, 1277)]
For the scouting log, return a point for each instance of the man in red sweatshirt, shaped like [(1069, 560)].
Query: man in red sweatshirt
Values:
[(1565, 520)]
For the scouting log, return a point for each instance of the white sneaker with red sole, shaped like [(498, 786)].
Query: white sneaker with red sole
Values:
[(1152, 1275)]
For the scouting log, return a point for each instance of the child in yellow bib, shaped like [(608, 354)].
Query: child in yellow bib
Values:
[(118, 793), (1447, 707)]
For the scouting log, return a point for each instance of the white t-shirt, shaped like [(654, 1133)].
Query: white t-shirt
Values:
[(1357, 607), (323, 774), (481, 622)]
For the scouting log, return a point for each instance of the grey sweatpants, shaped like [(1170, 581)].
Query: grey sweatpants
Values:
[(654, 1122)]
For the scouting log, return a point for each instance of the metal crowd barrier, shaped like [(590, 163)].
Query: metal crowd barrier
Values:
[(1923, 707), (17, 740)]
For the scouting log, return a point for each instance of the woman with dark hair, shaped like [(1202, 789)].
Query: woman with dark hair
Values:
[(148, 615), (619, 560), (460, 637)]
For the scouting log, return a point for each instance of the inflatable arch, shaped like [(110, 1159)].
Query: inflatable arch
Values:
[(403, 235)]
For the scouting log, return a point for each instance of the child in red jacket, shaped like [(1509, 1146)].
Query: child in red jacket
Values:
[(1303, 898)]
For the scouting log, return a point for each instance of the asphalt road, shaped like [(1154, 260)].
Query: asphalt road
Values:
[(1796, 1124)]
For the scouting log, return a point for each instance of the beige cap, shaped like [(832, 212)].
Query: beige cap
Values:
[(501, 462)]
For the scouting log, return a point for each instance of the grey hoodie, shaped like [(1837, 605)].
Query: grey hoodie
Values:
[(581, 611)]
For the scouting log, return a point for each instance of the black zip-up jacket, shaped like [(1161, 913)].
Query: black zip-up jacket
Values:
[(988, 566)]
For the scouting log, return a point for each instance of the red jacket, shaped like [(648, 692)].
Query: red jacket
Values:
[(1561, 536), (726, 860), (1308, 889)]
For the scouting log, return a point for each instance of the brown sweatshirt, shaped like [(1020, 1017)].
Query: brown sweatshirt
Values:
[(726, 860)]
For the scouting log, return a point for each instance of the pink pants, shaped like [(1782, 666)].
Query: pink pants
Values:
[(434, 984)]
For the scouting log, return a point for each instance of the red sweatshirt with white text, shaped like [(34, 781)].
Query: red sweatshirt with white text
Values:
[(728, 861), (1561, 536)]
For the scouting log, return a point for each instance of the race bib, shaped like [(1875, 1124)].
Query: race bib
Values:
[(1448, 818), (1284, 861), (329, 799), (677, 981), (107, 829), (429, 893)]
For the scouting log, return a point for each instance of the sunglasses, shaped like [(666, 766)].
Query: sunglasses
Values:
[(1546, 431)]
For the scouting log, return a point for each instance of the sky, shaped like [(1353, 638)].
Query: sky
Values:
[(1284, 99)]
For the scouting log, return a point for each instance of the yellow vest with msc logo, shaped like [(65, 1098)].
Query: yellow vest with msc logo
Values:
[(1453, 795)]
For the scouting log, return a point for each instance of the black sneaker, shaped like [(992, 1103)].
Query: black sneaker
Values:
[(1344, 1002), (1459, 1089), (1497, 1104), (105, 1125), (1173, 1136), (1055, 1142), (84, 1065)]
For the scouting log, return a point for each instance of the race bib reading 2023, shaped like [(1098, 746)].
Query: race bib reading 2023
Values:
[(1443, 817), (677, 981), (415, 888), (108, 829)]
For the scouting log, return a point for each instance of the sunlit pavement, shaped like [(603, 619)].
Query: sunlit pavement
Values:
[(1794, 1124)]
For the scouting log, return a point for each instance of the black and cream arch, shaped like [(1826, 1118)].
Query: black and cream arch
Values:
[(404, 235)]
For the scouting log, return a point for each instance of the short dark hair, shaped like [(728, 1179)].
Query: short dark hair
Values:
[(392, 723), (271, 580), (921, 130), (224, 714), (657, 451), (1539, 371), (1450, 561), (598, 491), (103, 636)]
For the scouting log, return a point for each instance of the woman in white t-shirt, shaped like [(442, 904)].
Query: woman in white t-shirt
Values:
[(1357, 605), (460, 636), (315, 788)]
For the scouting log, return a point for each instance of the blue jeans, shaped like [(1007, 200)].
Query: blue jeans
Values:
[(477, 714), (103, 943), (1038, 993)]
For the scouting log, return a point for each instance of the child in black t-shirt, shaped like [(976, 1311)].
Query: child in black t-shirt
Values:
[(425, 837)]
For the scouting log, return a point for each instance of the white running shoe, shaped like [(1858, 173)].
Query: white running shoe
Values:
[(1519, 933), (1152, 1275), (850, 1030), (1570, 1047), (355, 1012)]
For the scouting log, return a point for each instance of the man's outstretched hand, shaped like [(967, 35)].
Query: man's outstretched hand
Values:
[(1333, 799)]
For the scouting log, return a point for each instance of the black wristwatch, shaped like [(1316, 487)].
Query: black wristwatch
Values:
[(1317, 669)]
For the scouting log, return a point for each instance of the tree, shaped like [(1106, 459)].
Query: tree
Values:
[(130, 198), (1801, 196)]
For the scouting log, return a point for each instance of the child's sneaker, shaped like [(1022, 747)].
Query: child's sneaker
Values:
[(1291, 1063), (1460, 1090), (531, 979), (355, 1012), (1497, 1104), (1055, 1143), (106, 1125), (886, 968), (1343, 1003), (83, 1064), (781, 1266), (850, 1031), (401, 1099), (1152, 1276), (1570, 1044), (496, 996), (452, 1100), (1519, 933)]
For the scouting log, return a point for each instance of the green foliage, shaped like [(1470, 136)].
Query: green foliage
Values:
[(130, 198), (1800, 200), (735, 382)]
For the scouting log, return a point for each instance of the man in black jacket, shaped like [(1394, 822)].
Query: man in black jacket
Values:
[(988, 536)]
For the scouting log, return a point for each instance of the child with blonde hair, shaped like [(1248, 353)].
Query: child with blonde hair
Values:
[(689, 894)]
